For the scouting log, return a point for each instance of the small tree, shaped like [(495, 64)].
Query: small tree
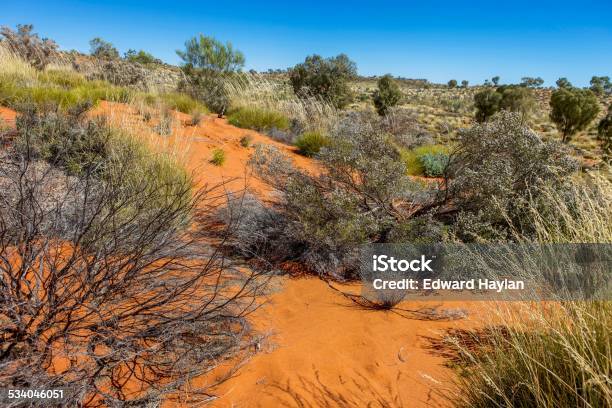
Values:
[(207, 62), (486, 103), (326, 78), (516, 99), (572, 110), (103, 49), (464, 83), (531, 82), (495, 80), (387, 95), (29, 46), (601, 85), (563, 83), (604, 133), (452, 83)]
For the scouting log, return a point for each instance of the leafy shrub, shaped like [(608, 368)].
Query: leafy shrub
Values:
[(218, 157), (601, 85), (387, 95), (326, 78), (511, 98), (604, 133), (310, 143), (434, 164), (415, 164), (258, 119), (103, 49), (572, 110), (29, 46)]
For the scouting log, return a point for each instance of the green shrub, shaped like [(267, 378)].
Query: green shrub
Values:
[(258, 119), (245, 141), (103, 49), (218, 157), (604, 133), (414, 162), (434, 164), (310, 143), (140, 57), (486, 103), (508, 97), (452, 83), (326, 78), (387, 95)]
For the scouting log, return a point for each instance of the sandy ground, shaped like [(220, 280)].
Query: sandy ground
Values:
[(321, 348)]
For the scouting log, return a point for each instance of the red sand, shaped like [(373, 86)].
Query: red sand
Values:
[(322, 348)]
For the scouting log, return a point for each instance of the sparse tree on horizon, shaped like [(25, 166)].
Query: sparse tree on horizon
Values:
[(572, 110), (452, 83), (102, 49), (387, 95)]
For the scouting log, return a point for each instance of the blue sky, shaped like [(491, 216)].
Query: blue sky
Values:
[(437, 40)]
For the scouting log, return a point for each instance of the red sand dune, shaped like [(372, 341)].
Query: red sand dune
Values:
[(322, 349)]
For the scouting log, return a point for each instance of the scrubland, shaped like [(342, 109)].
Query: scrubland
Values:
[(201, 245)]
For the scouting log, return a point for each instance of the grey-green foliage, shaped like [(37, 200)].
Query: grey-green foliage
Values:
[(207, 63), (531, 82), (563, 83), (103, 49), (452, 83), (434, 164), (326, 78), (486, 103), (464, 83), (39, 52), (572, 110), (387, 95), (496, 167), (351, 202)]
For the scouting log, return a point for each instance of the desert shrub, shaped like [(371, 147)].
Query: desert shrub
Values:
[(434, 164), (258, 119), (494, 169), (207, 63), (84, 250), (404, 126), (486, 103), (103, 49), (452, 83), (350, 203), (572, 110), (387, 95), (218, 157), (415, 164), (245, 141), (196, 118), (140, 57), (604, 133), (29, 46), (325, 78), (311, 143)]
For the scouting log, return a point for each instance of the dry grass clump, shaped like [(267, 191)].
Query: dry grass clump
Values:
[(557, 354)]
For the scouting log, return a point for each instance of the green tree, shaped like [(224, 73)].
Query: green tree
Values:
[(572, 110), (326, 78), (464, 83), (563, 83), (601, 85), (452, 83), (531, 82), (516, 99), (487, 104), (387, 95), (103, 49), (495, 80), (207, 63)]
